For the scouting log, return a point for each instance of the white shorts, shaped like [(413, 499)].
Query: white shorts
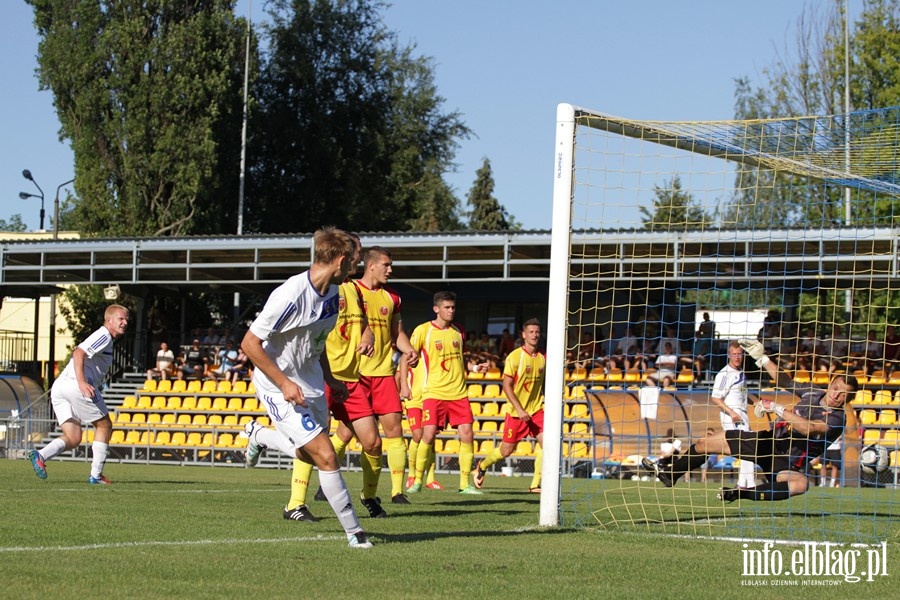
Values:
[(299, 424), (728, 424), (70, 404)]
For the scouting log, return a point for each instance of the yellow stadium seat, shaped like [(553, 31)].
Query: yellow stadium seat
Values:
[(475, 390), (493, 373), (867, 416), (579, 411), (891, 438), (490, 409), (451, 447), (189, 403), (195, 385), (476, 427), (863, 397), (615, 375), (895, 458), (164, 386), (882, 397), (802, 376), (174, 403), (220, 404), (195, 438), (438, 446), (251, 389), (579, 429), (168, 419), (247, 418), (493, 391), (224, 387), (117, 437), (577, 374), (821, 378), (159, 403), (138, 418), (149, 385), (579, 450), (214, 420), (146, 438), (490, 426), (154, 419), (887, 417), (87, 436), (207, 440), (144, 402), (179, 385), (209, 386), (162, 438), (129, 402), (239, 442), (239, 387), (199, 421), (476, 408), (184, 419), (230, 421), (236, 404), (474, 375), (876, 378), (871, 436), (263, 420), (204, 403), (179, 438), (631, 375), (132, 437), (523, 448), (251, 405), (578, 392), (123, 418), (225, 440), (486, 447)]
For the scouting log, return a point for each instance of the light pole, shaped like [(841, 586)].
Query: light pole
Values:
[(25, 196), (51, 364)]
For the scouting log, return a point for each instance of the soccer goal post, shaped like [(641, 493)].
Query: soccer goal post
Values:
[(670, 240)]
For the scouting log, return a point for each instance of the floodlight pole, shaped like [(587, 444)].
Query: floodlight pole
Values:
[(51, 341)]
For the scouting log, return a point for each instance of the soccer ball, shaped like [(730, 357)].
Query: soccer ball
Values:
[(874, 459)]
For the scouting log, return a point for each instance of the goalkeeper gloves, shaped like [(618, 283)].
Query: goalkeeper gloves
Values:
[(755, 350), (767, 406)]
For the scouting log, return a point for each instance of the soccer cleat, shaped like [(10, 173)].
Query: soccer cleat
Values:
[(299, 513), (358, 540), (399, 499), (254, 450), (373, 505), (99, 480), (320, 495), (37, 463), (434, 485), (664, 478), (534, 490), (414, 488), (478, 477), (728, 494), (410, 481), (470, 491)]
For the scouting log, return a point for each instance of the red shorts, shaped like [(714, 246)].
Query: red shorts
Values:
[(414, 418), (370, 396), (515, 429), (438, 412)]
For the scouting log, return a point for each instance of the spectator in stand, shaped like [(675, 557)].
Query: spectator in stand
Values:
[(165, 363), (486, 344), (471, 342), (627, 348), (703, 341), (666, 367), (891, 352), (225, 359), (241, 368), (507, 344), (212, 338), (195, 362), (833, 351)]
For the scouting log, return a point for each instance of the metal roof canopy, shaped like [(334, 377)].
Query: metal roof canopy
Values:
[(837, 257)]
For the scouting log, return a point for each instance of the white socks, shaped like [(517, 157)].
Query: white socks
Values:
[(53, 448), (101, 449), (339, 498)]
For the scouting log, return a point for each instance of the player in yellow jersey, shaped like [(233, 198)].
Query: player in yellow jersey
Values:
[(523, 386), (379, 398), (411, 381), (444, 395), (344, 347)]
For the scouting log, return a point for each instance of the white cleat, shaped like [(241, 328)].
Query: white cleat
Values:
[(254, 449)]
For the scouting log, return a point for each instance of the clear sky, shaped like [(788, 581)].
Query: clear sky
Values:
[(504, 64)]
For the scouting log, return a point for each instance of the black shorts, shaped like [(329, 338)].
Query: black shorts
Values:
[(759, 447), (833, 457)]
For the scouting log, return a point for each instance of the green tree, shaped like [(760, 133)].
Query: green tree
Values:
[(673, 209), (487, 213), (349, 130), (15, 223), (149, 94)]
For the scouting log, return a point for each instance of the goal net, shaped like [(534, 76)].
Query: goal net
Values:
[(670, 239)]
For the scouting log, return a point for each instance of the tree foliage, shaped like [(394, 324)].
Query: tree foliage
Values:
[(673, 209), (149, 94), (809, 79), (487, 213), (15, 224), (349, 129)]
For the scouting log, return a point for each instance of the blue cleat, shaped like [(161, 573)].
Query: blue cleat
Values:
[(37, 463), (99, 480)]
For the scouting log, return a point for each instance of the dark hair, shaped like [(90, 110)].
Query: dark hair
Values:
[(444, 296), (531, 322)]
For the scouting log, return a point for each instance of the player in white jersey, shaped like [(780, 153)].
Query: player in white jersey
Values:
[(285, 344), (730, 395), (75, 397)]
